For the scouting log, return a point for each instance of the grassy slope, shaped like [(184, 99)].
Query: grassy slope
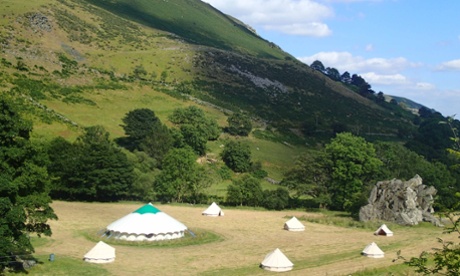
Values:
[(156, 54), (103, 43), (194, 21)]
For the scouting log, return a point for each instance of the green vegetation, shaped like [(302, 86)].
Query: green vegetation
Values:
[(444, 260), (91, 168), (194, 21), (24, 185), (134, 74), (63, 265), (237, 156), (239, 124)]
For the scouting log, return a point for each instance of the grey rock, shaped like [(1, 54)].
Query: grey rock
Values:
[(403, 202)]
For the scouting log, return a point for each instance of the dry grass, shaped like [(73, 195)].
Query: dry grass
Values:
[(248, 236)]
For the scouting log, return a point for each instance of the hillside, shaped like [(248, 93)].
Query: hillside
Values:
[(85, 62)]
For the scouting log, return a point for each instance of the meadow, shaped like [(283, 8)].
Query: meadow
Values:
[(330, 245)]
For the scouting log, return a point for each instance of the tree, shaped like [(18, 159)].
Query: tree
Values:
[(245, 191), (239, 124), (352, 162), (309, 177), (318, 65), (276, 199), (179, 177), (145, 132), (138, 125), (92, 168), (345, 78), (237, 156), (444, 260), (24, 185), (333, 73), (194, 138), (196, 128), (157, 143), (402, 163)]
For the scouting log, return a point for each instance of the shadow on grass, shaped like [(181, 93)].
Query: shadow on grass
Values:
[(199, 236)]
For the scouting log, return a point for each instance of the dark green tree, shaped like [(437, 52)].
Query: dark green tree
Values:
[(239, 124), (194, 138), (145, 132), (444, 260), (432, 139), (318, 65), (345, 78), (276, 199), (145, 171), (352, 164), (195, 127), (24, 185), (195, 116), (237, 156), (333, 73), (402, 163), (157, 143), (91, 169), (245, 191), (138, 124), (179, 177), (309, 177)]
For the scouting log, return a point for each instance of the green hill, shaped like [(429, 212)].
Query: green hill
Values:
[(78, 63)]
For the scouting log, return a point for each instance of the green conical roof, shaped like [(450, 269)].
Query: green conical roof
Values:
[(147, 208)]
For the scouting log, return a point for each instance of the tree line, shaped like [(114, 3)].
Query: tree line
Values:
[(153, 162)]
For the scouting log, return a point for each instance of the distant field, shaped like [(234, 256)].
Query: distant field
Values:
[(248, 235)]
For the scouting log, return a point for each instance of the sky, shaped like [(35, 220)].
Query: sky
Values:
[(405, 48)]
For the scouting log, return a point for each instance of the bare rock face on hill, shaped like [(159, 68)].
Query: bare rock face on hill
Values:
[(403, 202)]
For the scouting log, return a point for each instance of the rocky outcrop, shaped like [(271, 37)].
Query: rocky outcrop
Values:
[(39, 21), (403, 202)]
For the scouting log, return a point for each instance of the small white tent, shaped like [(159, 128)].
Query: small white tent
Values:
[(294, 225), (213, 211), (100, 253), (383, 231), (146, 224), (276, 261), (373, 251)]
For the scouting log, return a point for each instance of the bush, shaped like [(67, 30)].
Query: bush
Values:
[(277, 199)]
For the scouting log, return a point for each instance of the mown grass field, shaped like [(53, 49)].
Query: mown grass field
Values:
[(246, 236)]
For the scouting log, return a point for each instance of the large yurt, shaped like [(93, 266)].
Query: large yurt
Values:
[(146, 224), (373, 251), (383, 231), (100, 253), (294, 225), (276, 261), (213, 211)]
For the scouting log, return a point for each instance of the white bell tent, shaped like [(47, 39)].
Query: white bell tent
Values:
[(383, 231), (294, 225), (276, 261), (373, 251), (100, 253), (213, 211)]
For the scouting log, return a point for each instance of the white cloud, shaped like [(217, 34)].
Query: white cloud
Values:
[(308, 29), (378, 79), (345, 61), (452, 65), (425, 86), (294, 17)]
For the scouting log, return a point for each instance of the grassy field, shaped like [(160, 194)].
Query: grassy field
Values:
[(246, 236)]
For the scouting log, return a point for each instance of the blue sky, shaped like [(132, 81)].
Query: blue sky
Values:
[(407, 48)]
